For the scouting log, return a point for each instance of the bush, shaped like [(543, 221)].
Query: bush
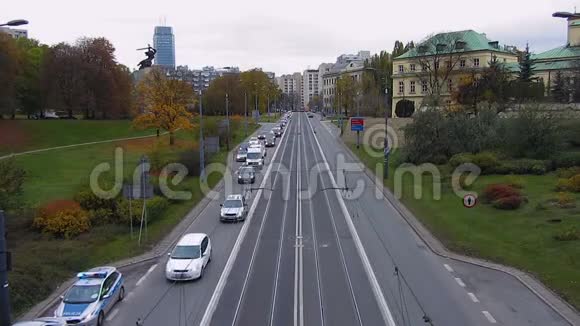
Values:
[(495, 192), (521, 166), (63, 219), (567, 173), (156, 206), (486, 161), (11, 180), (100, 210), (516, 182), (567, 160), (461, 158), (532, 133), (563, 185), (565, 200), (575, 183), (510, 202), (570, 234)]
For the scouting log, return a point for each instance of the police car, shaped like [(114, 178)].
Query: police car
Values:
[(91, 297)]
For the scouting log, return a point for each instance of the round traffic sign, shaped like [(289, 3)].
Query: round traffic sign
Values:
[(469, 200)]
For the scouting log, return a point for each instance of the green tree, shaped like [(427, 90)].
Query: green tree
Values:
[(346, 90), (526, 72), (28, 86), (560, 91), (9, 71)]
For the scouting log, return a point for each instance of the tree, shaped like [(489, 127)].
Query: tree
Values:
[(9, 70), (560, 91), (435, 60), (497, 82), (469, 90), (11, 180), (28, 90), (315, 103), (526, 72), (258, 86), (165, 104), (346, 90)]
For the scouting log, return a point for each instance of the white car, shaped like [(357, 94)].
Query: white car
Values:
[(234, 209), (254, 141), (187, 261), (255, 157)]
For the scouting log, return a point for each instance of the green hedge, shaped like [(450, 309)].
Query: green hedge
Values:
[(521, 166), (567, 160), (486, 161)]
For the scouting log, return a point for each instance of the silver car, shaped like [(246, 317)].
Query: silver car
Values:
[(233, 209)]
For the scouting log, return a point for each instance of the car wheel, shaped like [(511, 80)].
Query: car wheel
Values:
[(100, 319), (122, 293), (201, 273)]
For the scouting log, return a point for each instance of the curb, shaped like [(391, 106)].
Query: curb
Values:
[(156, 252), (549, 297)]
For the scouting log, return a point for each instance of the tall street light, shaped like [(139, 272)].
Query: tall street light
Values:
[(201, 142), (228, 124), (246, 113), (15, 22)]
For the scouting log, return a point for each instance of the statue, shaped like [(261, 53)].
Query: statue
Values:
[(150, 53)]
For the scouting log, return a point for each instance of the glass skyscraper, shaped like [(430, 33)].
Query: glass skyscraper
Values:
[(164, 43)]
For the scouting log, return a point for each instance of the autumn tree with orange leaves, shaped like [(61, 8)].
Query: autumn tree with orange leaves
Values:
[(163, 104)]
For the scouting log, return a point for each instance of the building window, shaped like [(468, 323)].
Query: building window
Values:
[(462, 63), (401, 68), (412, 91), (448, 63), (476, 62), (413, 67), (436, 64), (424, 86), (401, 87), (450, 85)]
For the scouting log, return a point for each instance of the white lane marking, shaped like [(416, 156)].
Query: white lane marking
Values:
[(460, 282), (298, 251), (217, 293), (489, 317), (448, 268), (377, 291), (113, 314), (473, 297), (145, 276)]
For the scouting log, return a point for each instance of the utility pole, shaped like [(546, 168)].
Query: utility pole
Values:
[(228, 124), (201, 142), (386, 145), (246, 113), (4, 267), (358, 115), (268, 104)]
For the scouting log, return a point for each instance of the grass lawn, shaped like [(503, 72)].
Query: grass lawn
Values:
[(23, 135), (41, 262), (523, 238)]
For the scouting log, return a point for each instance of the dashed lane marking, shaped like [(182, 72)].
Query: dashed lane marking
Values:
[(489, 317), (113, 314), (146, 274), (473, 297), (460, 282), (448, 268)]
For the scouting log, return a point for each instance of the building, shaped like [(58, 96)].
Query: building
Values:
[(352, 65), (433, 68), (291, 86), (200, 79), (164, 43), (565, 58), (14, 32), (309, 86)]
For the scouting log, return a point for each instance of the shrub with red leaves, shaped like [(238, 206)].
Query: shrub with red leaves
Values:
[(58, 206), (497, 191), (511, 202)]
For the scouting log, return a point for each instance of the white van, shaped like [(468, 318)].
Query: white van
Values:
[(255, 156)]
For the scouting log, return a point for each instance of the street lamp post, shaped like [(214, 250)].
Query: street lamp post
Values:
[(227, 124), (4, 267), (386, 144), (246, 113), (201, 142)]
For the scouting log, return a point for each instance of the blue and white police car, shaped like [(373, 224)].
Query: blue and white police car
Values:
[(91, 297)]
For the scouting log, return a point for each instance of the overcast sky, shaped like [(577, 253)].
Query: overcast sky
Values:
[(285, 36)]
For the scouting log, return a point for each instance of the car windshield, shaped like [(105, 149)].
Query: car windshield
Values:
[(186, 252), (246, 171), (82, 294), (233, 203), (242, 150), (254, 156)]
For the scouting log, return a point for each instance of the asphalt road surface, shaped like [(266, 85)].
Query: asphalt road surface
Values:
[(313, 253)]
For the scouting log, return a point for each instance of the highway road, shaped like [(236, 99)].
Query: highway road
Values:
[(313, 253)]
